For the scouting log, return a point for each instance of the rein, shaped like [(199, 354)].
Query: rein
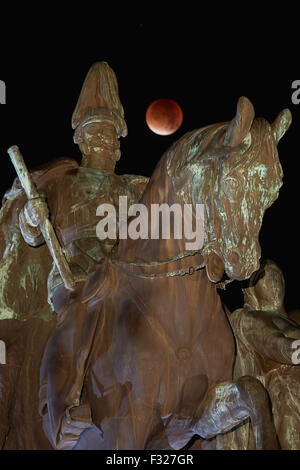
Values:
[(179, 272)]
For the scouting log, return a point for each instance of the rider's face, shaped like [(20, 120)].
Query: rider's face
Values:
[(98, 138)]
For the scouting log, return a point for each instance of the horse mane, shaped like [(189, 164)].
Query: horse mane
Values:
[(206, 144)]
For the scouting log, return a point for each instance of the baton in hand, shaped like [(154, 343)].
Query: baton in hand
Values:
[(46, 226)]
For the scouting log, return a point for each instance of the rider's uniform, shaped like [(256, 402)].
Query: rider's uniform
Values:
[(73, 198)]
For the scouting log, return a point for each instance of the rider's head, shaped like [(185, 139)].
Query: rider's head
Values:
[(98, 118), (97, 135), (266, 289)]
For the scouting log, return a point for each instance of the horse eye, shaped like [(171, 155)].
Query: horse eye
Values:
[(232, 187)]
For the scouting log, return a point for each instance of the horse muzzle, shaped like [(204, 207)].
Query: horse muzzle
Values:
[(240, 267)]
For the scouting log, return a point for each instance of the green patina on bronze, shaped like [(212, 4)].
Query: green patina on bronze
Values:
[(238, 178), (24, 270), (22, 280)]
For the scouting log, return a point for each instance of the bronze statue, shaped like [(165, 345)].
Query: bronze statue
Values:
[(139, 355), (160, 369)]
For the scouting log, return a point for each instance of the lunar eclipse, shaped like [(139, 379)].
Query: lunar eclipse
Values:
[(164, 116)]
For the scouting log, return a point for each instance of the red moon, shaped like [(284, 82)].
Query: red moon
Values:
[(164, 116)]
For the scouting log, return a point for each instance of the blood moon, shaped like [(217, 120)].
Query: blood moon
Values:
[(164, 116)]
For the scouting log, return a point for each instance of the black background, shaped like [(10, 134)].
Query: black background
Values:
[(202, 59)]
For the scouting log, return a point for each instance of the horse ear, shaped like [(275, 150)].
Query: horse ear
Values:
[(240, 125), (281, 124)]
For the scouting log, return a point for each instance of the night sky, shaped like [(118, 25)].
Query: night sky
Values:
[(175, 52)]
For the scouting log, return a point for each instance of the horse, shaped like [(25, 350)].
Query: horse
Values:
[(160, 366)]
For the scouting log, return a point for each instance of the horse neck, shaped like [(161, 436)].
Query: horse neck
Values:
[(173, 305), (159, 190), (174, 300)]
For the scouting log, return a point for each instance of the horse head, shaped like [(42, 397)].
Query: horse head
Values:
[(234, 170)]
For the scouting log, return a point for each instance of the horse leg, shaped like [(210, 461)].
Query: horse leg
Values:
[(114, 433), (226, 406), (130, 430)]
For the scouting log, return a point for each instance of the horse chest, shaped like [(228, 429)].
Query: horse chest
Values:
[(175, 325)]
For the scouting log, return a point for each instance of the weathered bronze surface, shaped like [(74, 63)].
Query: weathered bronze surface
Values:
[(28, 274), (265, 334), (128, 361)]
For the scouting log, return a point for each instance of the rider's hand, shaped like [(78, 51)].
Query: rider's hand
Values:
[(36, 211)]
